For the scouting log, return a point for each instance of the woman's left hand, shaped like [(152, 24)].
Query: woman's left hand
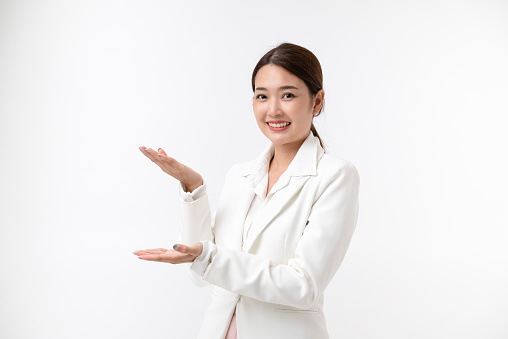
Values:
[(178, 255)]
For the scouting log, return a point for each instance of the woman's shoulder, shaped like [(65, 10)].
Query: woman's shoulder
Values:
[(333, 166)]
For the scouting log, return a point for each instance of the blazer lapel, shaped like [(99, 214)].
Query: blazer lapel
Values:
[(273, 208), (240, 202)]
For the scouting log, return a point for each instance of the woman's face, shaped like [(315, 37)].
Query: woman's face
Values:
[(283, 106)]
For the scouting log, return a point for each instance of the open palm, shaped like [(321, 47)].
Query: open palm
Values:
[(178, 255)]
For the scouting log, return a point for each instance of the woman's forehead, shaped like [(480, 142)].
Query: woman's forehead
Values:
[(273, 77)]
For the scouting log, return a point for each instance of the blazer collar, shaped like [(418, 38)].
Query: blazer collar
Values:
[(304, 163)]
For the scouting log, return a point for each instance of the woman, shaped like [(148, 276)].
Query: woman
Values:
[(284, 220)]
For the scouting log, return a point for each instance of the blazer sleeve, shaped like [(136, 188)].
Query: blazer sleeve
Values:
[(318, 255), (196, 224)]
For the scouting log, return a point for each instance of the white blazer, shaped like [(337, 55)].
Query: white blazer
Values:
[(277, 277)]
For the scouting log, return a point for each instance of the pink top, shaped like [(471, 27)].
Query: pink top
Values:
[(232, 332)]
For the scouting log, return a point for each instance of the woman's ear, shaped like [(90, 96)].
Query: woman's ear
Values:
[(318, 102)]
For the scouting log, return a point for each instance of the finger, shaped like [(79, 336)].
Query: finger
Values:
[(143, 149), (161, 151), (155, 157), (172, 257), (193, 250), (156, 251), (150, 152), (150, 251), (181, 248), (146, 152), (150, 257), (167, 164), (190, 251)]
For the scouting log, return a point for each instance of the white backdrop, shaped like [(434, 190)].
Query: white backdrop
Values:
[(416, 93)]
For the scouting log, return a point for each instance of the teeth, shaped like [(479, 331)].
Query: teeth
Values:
[(283, 124)]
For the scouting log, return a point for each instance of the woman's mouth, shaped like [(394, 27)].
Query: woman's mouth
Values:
[(278, 126)]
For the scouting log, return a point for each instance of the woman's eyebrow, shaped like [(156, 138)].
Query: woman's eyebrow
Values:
[(288, 87), (280, 88)]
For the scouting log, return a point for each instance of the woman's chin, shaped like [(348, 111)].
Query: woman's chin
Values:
[(286, 141), (277, 139)]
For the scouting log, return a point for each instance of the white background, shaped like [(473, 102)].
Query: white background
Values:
[(416, 97)]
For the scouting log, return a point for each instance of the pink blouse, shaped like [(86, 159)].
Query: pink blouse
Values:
[(232, 328)]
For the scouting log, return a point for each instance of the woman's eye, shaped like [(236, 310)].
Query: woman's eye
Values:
[(261, 96), (288, 96)]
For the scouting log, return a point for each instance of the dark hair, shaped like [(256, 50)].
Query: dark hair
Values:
[(300, 62)]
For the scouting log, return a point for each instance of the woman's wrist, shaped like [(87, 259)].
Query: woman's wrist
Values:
[(190, 187), (190, 179)]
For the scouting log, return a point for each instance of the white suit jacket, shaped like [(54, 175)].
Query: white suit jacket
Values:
[(276, 278)]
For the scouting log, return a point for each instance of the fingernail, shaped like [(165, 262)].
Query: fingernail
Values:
[(158, 150), (175, 247)]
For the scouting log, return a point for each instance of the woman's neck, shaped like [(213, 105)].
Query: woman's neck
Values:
[(283, 155)]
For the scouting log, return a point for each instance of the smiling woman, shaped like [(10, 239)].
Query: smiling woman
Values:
[(299, 62), (284, 220), (282, 103)]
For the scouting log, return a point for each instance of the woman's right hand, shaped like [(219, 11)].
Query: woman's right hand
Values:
[(186, 175)]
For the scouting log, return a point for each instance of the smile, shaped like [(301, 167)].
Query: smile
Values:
[(278, 125)]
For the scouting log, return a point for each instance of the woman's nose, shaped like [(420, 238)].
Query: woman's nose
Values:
[(274, 108)]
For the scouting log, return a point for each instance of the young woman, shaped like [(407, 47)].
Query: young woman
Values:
[(284, 220)]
